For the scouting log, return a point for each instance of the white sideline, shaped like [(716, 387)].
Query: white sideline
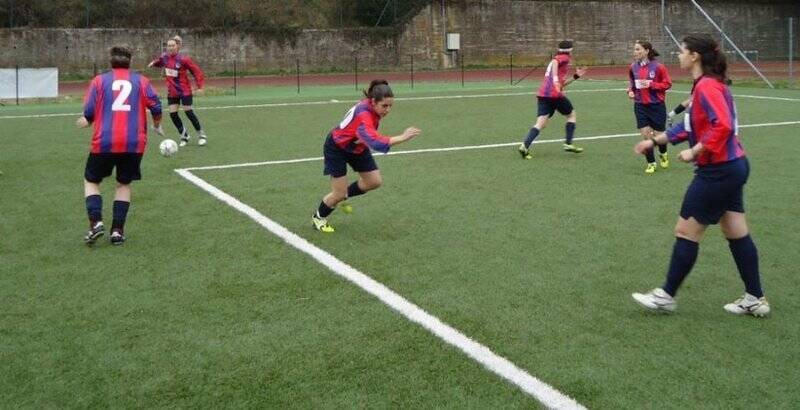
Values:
[(434, 97), (541, 391), (458, 148)]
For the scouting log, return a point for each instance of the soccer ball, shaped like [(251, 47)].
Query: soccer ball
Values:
[(168, 147)]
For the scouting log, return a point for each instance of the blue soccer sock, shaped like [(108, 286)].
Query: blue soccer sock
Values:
[(746, 256), (684, 254), (569, 128), (324, 210), (120, 214), (532, 134), (94, 208), (354, 190)]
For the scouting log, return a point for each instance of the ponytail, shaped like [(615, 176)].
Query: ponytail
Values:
[(378, 90), (651, 52), (712, 60)]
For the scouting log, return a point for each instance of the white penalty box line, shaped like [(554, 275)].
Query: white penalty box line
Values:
[(539, 390)]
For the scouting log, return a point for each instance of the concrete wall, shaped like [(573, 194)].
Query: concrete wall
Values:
[(490, 30)]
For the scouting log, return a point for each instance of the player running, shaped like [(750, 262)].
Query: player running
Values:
[(649, 82)]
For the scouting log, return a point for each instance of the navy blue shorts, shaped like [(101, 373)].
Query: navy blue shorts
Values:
[(99, 166), (185, 100), (336, 160), (651, 115), (548, 106), (715, 190)]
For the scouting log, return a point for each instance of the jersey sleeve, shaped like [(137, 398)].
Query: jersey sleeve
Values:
[(713, 104), (90, 100), (158, 62), (367, 134), (151, 100), (631, 83), (197, 73), (663, 82)]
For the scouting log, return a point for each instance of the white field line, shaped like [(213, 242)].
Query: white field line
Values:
[(334, 101), (457, 148), (544, 393)]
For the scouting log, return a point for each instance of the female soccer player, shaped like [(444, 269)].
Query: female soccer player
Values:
[(551, 98), (715, 194), (649, 81), (350, 143), (179, 89)]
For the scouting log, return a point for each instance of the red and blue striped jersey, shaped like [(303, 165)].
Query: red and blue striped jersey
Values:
[(710, 120), (176, 69), (116, 102), (359, 130), (554, 76), (656, 74)]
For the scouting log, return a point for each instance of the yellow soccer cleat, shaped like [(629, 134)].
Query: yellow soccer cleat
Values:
[(651, 168), (663, 160), (346, 207), (524, 152), (573, 148), (321, 224)]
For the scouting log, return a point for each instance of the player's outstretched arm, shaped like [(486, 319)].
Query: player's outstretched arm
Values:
[(409, 134)]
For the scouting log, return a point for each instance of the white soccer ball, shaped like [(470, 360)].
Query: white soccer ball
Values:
[(168, 147)]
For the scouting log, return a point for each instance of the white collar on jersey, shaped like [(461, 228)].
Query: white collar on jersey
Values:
[(565, 50)]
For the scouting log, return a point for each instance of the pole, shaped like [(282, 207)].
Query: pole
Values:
[(412, 71), (235, 85), (663, 8), (462, 69), (791, 50), (87, 13), (298, 74), (16, 79), (355, 70), (511, 68)]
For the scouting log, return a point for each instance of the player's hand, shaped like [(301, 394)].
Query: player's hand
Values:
[(410, 133), (201, 91), (643, 146), (686, 155), (581, 71), (151, 64), (631, 95), (82, 122)]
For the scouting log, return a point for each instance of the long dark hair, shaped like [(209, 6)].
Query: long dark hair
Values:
[(651, 52), (712, 59), (378, 90)]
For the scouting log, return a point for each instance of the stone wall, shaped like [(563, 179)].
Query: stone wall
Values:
[(490, 30)]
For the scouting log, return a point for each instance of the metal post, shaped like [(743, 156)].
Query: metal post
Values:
[(87, 13), (234, 77), (791, 50), (663, 8), (94, 69), (297, 61), (16, 79), (355, 70), (511, 68), (461, 54), (412, 71)]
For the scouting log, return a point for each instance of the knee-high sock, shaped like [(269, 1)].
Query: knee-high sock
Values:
[(650, 156), (94, 208), (176, 119), (193, 119), (746, 256), (684, 254), (569, 129), (532, 134), (662, 148), (354, 190), (120, 214)]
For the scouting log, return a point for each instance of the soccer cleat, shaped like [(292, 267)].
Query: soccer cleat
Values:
[(203, 140), (651, 168), (321, 224), (749, 305), (184, 138), (346, 207), (524, 152), (573, 148), (663, 160), (656, 300), (117, 238), (95, 232)]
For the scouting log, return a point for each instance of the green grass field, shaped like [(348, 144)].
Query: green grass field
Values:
[(536, 260)]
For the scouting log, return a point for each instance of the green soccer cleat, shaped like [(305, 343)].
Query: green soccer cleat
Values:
[(524, 152), (651, 168), (663, 160), (573, 148), (321, 224), (346, 207)]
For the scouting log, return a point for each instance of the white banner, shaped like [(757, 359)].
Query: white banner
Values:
[(33, 82)]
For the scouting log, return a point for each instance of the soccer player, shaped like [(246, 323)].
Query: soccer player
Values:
[(350, 142), (115, 103), (715, 194), (649, 81), (179, 88), (551, 98)]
